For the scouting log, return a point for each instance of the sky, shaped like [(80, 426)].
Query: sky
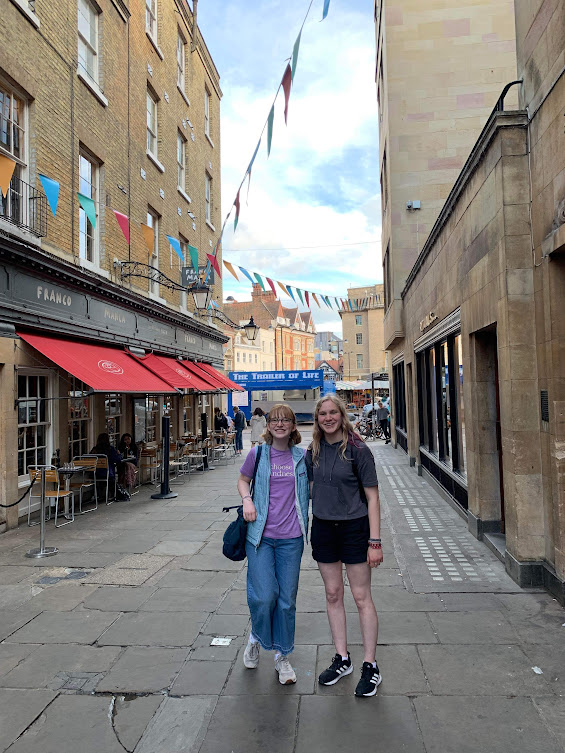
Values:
[(312, 216)]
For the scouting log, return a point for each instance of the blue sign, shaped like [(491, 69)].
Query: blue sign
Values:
[(329, 387), (278, 380)]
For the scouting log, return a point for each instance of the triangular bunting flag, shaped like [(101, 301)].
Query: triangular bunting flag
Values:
[(300, 295), (283, 288), (259, 280), (326, 8), (295, 54), (270, 130), (214, 262), (149, 236), (253, 159), (193, 251), (285, 83), (272, 286), (236, 203), (230, 268), (176, 247), (89, 207), (246, 273), (337, 303), (307, 296), (314, 297), (123, 222), (289, 289), (7, 167), (51, 188)]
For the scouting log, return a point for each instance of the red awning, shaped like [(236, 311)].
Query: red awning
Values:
[(195, 369), (174, 373), (101, 367), (228, 384)]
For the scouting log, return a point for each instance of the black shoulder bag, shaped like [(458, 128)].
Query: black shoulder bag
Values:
[(236, 532)]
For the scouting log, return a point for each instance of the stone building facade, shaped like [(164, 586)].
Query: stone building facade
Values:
[(363, 334), (477, 366), (118, 100)]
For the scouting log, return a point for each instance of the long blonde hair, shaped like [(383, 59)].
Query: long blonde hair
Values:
[(350, 436), (281, 410)]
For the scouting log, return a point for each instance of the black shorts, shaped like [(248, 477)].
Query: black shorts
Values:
[(344, 541)]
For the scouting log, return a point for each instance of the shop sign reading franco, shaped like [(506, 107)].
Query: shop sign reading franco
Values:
[(427, 320)]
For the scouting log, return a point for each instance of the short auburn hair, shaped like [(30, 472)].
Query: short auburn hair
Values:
[(281, 410)]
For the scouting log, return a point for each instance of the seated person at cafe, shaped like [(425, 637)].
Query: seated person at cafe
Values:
[(103, 447), (130, 457), (220, 421)]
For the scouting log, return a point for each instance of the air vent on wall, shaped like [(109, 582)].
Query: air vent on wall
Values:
[(544, 398)]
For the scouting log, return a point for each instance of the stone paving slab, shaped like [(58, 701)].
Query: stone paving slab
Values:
[(181, 600), (40, 669), (178, 727), (136, 542), (129, 571), (12, 574), (348, 723), (473, 627), (65, 627), (13, 619), (144, 670), (131, 717), (11, 654), (63, 597), (264, 680), (227, 624), (18, 709), (498, 725), (118, 598), (179, 629), (91, 732), (203, 651), (488, 670), (177, 548), (267, 724), (552, 711), (201, 678)]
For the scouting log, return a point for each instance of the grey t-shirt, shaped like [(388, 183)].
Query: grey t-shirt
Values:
[(336, 494), (382, 414)]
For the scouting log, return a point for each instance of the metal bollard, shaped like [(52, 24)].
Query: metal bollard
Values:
[(165, 492), (43, 551)]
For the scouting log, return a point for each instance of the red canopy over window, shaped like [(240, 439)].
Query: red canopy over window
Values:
[(103, 368), (221, 377), (175, 373), (195, 369)]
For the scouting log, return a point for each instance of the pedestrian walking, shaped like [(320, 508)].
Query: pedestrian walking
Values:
[(239, 426), (345, 531), (383, 418), (258, 425), (277, 517)]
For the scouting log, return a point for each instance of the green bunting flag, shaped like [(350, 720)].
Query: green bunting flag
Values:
[(193, 251), (300, 296), (259, 280), (270, 130), (295, 54), (89, 208)]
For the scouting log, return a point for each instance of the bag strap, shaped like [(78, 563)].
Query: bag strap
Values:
[(358, 477), (257, 459)]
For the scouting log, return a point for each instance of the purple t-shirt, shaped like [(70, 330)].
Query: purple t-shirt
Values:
[(282, 518)]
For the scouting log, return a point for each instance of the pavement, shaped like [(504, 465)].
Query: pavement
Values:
[(108, 646)]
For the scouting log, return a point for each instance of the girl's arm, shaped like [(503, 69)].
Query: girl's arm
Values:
[(249, 511), (374, 556)]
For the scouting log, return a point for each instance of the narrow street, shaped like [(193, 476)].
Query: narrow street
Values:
[(107, 645)]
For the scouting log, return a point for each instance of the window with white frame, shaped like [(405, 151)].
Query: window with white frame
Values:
[(152, 124), (88, 186), (79, 418), (359, 360), (33, 421), (359, 339), (256, 358), (181, 44), (358, 319), (13, 144), (181, 161), (88, 39), (153, 223), (151, 17), (207, 130), (244, 357), (237, 359), (113, 409), (208, 199)]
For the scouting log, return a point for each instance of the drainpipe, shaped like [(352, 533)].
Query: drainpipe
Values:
[(194, 24)]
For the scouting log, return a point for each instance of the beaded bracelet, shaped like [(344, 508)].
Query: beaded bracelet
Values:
[(375, 545)]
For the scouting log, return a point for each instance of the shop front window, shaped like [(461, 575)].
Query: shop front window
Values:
[(114, 413), (79, 419), (433, 436), (151, 417), (33, 422), (447, 453), (187, 414), (458, 354), (399, 397)]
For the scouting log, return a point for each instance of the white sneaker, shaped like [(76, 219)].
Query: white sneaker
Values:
[(287, 675), (251, 655)]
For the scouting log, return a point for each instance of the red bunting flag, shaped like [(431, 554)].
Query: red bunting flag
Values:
[(214, 262), (271, 285), (236, 203), (123, 222), (286, 83), (307, 294)]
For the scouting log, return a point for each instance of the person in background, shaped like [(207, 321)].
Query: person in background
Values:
[(382, 418), (103, 447), (258, 425), (130, 457), (277, 526), (346, 530), (220, 420), (239, 426)]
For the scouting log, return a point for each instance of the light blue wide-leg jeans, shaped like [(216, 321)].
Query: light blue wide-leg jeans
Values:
[(273, 570)]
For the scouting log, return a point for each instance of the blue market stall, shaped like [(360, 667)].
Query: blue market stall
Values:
[(299, 389)]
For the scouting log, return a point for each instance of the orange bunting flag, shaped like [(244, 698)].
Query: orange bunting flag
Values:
[(214, 262), (283, 288), (7, 166), (230, 268), (314, 297), (271, 285), (149, 236)]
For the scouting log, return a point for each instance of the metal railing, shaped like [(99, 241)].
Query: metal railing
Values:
[(25, 207)]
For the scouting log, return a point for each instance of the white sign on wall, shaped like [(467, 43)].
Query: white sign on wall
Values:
[(240, 399)]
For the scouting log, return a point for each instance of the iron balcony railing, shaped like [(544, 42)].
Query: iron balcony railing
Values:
[(25, 207)]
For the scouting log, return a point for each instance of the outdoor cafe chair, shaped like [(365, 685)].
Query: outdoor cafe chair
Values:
[(53, 495), (89, 464), (149, 461)]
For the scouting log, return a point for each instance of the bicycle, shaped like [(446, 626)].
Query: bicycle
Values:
[(370, 432)]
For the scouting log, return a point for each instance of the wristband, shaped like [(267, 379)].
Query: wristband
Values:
[(374, 540), (375, 545)]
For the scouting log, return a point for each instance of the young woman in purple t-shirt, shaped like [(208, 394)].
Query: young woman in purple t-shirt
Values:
[(277, 517)]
